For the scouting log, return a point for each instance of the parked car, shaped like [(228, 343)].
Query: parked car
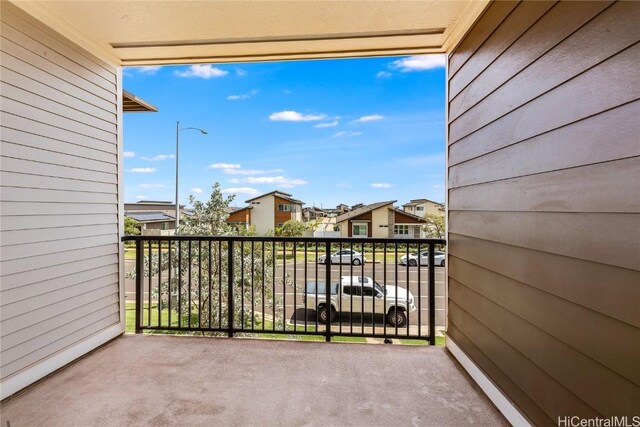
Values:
[(345, 256), (414, 260), (360, 294)]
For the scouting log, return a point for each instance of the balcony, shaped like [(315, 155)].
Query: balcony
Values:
[(280, 286), (170, 380), (205, 290)]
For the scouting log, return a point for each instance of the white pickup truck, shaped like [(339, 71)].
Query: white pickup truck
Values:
[(361, 294)]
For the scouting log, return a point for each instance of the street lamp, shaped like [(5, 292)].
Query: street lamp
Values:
[(178, 130)]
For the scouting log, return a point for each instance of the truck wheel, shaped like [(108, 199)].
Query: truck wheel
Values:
[(413, 262), (357, 261), (323, 314), (397, 317), (442, 263)]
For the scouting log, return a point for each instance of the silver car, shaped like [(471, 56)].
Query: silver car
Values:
[(345, 256), (414, 260)]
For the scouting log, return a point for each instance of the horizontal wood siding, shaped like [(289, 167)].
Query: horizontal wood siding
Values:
[(59, 193), (544, 205)]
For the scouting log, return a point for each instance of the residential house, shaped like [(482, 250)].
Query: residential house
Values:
[(542, 311), (155, 217), (273, 209), (312, 213), (338, 210), (381, 220), (421, 207), (239, 216)]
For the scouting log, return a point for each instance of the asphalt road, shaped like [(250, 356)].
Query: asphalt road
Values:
[(290, 302)]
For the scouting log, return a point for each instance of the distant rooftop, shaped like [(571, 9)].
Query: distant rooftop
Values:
[(278, 193), (150, 216), (362, 210), (154, 202)]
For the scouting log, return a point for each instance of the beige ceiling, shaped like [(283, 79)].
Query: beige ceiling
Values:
[(163, 32)]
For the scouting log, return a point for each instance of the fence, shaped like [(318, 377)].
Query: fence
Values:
[(293, 286)]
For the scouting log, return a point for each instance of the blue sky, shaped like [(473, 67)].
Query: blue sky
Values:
[(327, 131)]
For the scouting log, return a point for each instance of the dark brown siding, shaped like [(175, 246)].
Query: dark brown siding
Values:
[(280, 217), (544, 202), (401, 218), (242, 215)]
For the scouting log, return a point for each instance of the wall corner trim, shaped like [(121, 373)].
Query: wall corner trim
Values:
[(20, 380), (504, 405)]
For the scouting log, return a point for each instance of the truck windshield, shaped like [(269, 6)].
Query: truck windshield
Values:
[(379, 288)]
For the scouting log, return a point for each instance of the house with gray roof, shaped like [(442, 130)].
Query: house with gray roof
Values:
[(381, 220)]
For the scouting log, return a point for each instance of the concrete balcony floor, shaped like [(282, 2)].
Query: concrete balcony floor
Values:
[(170, 380)]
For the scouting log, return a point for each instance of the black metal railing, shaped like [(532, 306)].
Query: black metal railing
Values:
[(288, 285)]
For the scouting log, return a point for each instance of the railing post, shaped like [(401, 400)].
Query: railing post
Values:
[(230, 271), (139, 284), (432, 294), (327, 290)]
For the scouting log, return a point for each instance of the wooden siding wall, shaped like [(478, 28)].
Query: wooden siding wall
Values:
[(544, 202), (59, 196)]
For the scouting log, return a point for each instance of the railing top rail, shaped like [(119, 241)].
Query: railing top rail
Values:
[(287, 239)]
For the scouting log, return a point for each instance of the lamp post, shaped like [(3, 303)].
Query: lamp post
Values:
[(178, 130)]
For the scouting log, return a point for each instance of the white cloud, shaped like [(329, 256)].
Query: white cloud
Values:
[(224, 166), (279, 180), (343, 185), (294, 116), (149, 69), (234, 180), (371, 118), (235, 169), (142, 170), (383, 75), (344, 133), (128, 154), (240, 190), (203, 71), (438, 186), (197, 190), (250, 171), (242, 96), (420, 63), (141, 197), (381, 185), (159, 157), (326, 125), (151, 185)]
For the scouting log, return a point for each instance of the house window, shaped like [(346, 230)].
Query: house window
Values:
[(420, 208), (284, 207), (401, 230), (359, 230)]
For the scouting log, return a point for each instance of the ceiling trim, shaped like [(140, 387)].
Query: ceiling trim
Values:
[(283, 56), (283, 39)]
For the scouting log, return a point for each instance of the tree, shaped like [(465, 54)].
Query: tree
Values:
[(435, 227), (208, 218), (291, 228), (199, 282), (131, 226)]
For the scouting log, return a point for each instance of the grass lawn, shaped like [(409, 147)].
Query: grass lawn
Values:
[(130, 311)]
